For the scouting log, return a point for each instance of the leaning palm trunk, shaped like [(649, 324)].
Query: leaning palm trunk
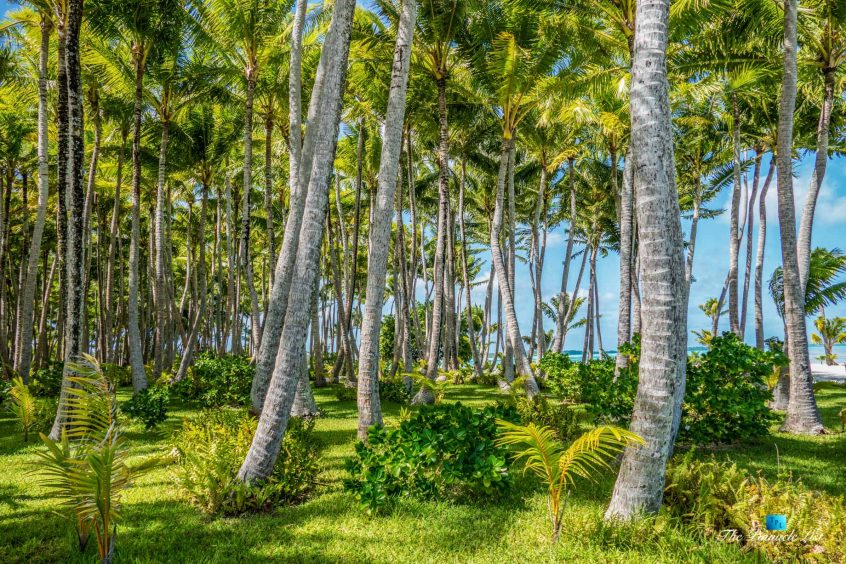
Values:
[(759, 259), (136, 354), (369, 409), (273, 422), (76, 204), (750, 223), (802, 414), (28, 298), (512, 328), (806, 226), (640, 483), (277, 305), (560, 329)]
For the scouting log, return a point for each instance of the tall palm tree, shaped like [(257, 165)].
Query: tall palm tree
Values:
[(663, 359), (803, 417)]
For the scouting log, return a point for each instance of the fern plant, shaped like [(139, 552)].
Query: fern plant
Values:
[(23, 406), (87, 467), (558, 466)]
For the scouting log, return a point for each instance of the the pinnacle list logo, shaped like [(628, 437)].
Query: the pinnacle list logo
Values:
[(776, 522)]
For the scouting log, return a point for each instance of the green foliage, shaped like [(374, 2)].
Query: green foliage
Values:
[(87, 469), (23, 406), (716, 497), (542, 412), (726, 395), (216, 381), (46, 382), (118, 375), (486, 378), (345, 393), (211, 449), (556, 466), (148, 406), (436, 387), (441, 451), (394, 390), (562, 376), (609, 399)]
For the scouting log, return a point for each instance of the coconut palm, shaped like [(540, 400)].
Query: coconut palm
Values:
[(830, 332)]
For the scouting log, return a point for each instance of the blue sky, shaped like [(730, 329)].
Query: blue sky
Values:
[(710, 263)]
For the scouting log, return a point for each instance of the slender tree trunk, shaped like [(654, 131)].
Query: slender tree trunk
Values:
[(246, 261), (803, 417), (264, 449), (471, 331), (734, 237), (759, 258), (62, 156), (136, 354), (28, 297), (640, 483), (694, 225), (268, 191), (193, 336), (560, 329), (750, 222), (369, 408), (162, 305), (806, 226), (434, 333), (76, 204), (624, 314)]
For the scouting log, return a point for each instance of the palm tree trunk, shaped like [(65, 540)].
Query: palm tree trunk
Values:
[(806, 226), (734, 237), (560, 329), (471, 332), (640, 483), (434, 333), (268, 191), (191, 342), (76, 204), (369, 408), (264, 449), (62, 156), (624, 315), (759, 258), (246, 261), (162, 306), (803, 417), (750, 222), (694, 225), (28, 291)]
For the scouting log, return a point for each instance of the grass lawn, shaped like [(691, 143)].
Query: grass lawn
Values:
[(159, 525)]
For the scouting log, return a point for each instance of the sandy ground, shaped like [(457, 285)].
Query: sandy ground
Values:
[(823, 373)]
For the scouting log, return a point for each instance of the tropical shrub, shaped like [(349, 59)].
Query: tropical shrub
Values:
[(211, 448), (118, 375), (556, 466), (562, 376), (542, 412), (609, 399), (726, 395), (148, 406), (46, 382), (216, 381), (88, 468), (23, 407), (486, 378), (394, 390), (446, 451), (719, 500)]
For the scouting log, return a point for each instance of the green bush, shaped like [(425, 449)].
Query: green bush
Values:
[(345, 393), (211, 448), (486, 378), (562, 376), (394, 390), (561, 418), (118, 375), (216, 381), (608, 399), (46, 382), (148, 406), (446, 451), (726, 395), (719, 500)]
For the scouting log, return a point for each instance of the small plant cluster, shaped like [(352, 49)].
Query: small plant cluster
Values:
[(446, 451), (211, 448), (216, 381), (725, 399), (394, 390), (344, 392), (148, 406), (32, 414), (46, 382), (719, 500)]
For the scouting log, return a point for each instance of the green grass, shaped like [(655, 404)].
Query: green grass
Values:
[(159, 525)]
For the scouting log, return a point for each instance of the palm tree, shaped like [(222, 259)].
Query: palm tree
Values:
[(802, 414), (369, 411), (657, 407), (831, 332)]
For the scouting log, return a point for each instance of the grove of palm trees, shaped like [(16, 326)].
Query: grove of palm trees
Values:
[(422, 281)]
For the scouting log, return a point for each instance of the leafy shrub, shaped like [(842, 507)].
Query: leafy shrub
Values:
[(486, 378), (562, 376), (345, 393), (148, 406), (216, 381), (562, 419), (441, 451), (609, 399), (118, 375), (46, 382), (394, 390), (726, 396), (211, 448), (719, 500)]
